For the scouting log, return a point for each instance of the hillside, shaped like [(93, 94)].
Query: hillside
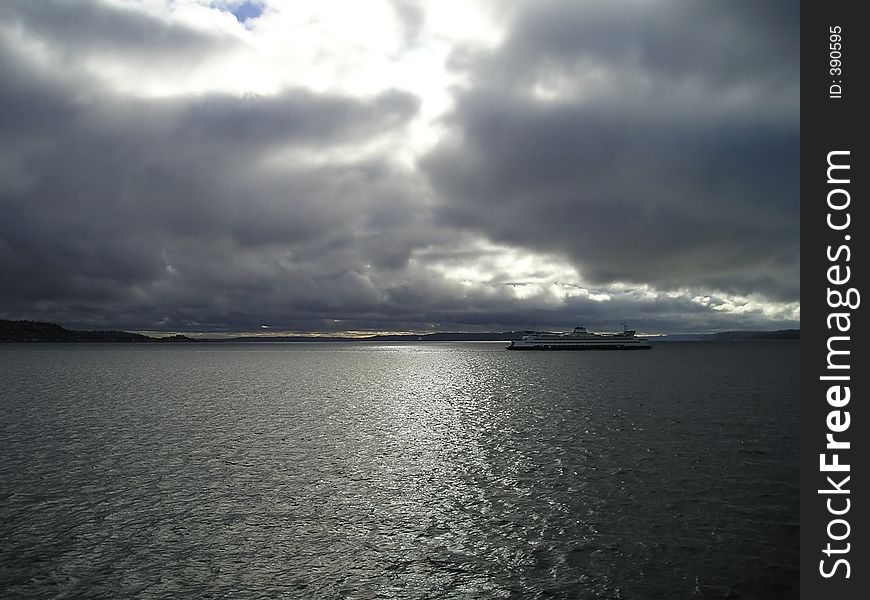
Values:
[(38, 331)]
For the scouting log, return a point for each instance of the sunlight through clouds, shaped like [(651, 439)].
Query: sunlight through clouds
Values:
[(399, 163)]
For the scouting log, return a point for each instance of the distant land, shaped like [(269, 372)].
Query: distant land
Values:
[(733, 336), (38, 331)]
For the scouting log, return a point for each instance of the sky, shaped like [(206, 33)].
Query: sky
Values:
[(400, 165)]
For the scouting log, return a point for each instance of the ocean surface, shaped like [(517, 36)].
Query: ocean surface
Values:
[(440, 470)]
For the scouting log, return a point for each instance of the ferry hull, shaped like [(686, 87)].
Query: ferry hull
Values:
[(578, 348), (580, 339)]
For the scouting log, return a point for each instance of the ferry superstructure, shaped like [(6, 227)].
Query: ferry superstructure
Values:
[(580, 339)]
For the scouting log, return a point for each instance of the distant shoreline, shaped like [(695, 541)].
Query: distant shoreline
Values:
[(42, 332)]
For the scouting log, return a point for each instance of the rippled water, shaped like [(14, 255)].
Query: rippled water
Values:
[(398, 471)]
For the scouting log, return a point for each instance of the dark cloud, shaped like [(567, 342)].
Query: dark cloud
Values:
[(76, 29), (677, 163), (214, 212), (176, 210), (718, 44)]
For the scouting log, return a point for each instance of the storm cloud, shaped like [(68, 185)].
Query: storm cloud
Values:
[(650, 142), (166, 167)]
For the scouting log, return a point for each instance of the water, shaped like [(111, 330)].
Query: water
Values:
[(398, 471)]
